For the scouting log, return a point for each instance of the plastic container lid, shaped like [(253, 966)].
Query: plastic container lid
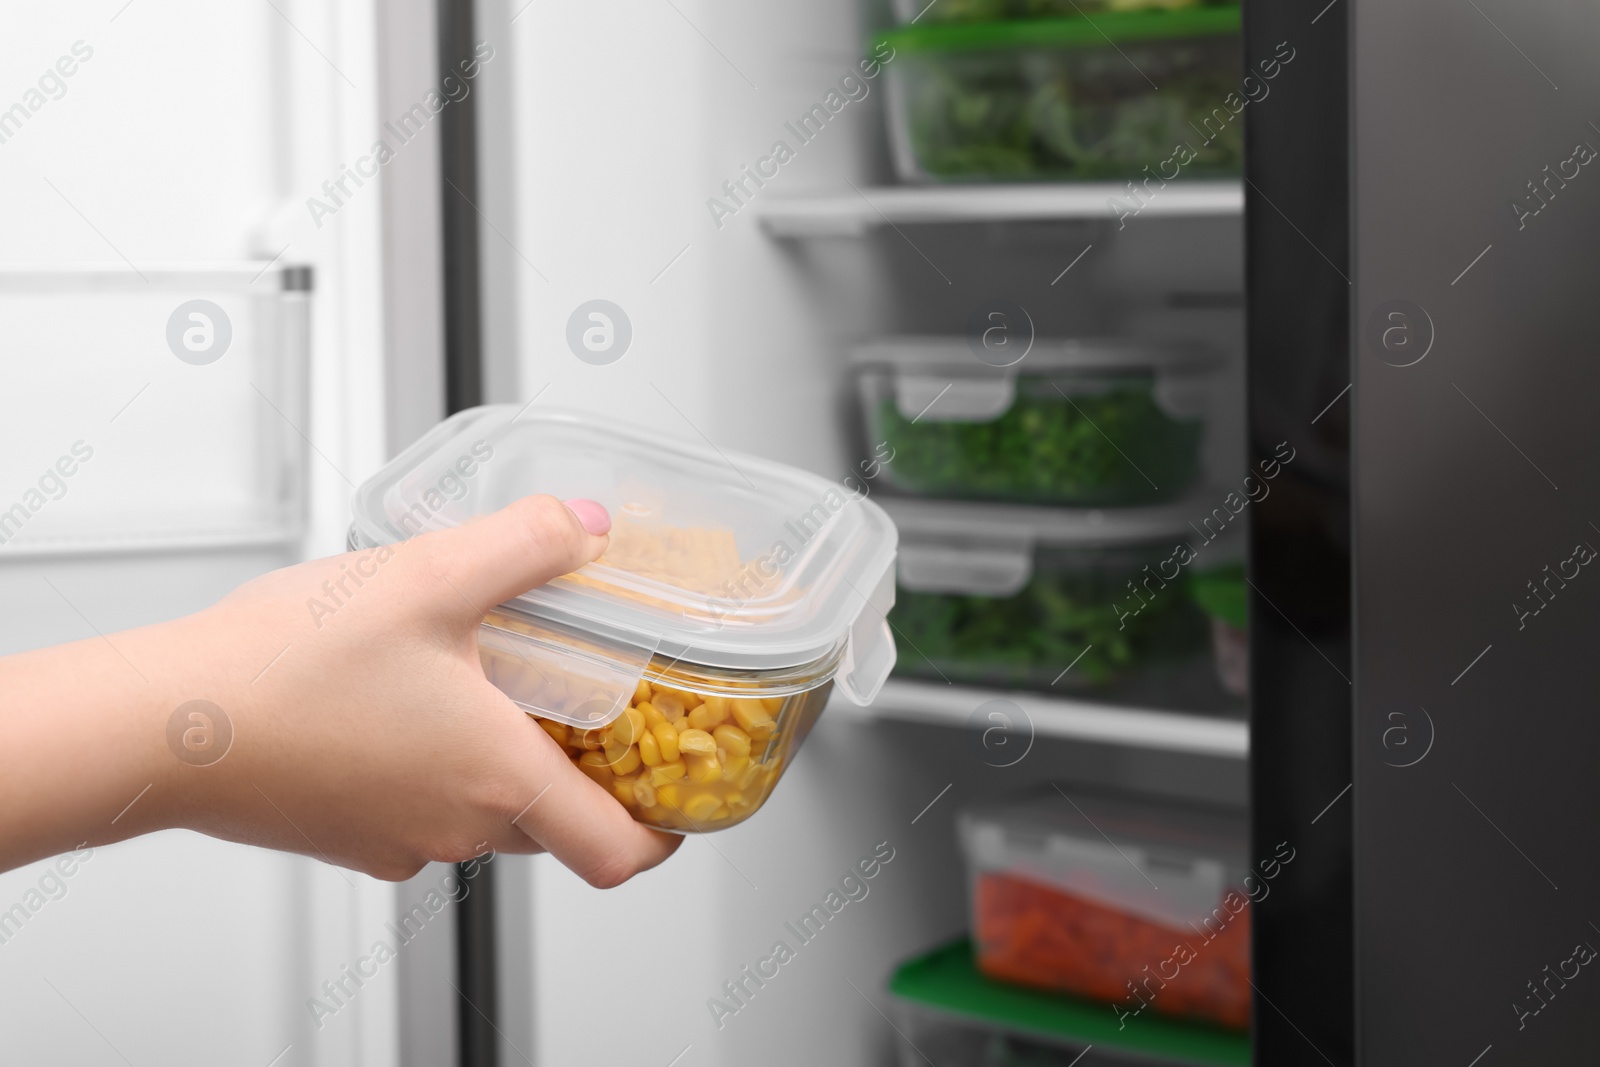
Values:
[(717, 559), (1169, 865), (944, 379), (988, 549), (953, 355)]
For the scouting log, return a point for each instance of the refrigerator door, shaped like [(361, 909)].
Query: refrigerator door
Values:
[(1472, 342), (1421, 234), (179, 332)]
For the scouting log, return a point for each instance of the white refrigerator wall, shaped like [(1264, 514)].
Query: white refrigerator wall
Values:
[(626, 117), (191, 131)]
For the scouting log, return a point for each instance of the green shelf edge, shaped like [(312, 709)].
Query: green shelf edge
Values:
[(948, 979), (1079, 32)]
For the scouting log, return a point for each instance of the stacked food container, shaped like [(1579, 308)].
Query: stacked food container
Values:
[(1047, 510), (1043, 90), (1096, 920), (1063, 534)]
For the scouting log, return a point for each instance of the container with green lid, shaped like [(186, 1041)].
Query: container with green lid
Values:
[(950, 1015), (933, 11), (1087, 98), (1223, 595)]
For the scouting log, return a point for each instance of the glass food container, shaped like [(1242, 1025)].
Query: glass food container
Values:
[(1099, 422), (1068, 98), (1140, 906), (1059, 601), (682, 670)]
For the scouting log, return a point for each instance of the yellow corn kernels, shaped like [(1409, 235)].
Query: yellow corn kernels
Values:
[(733, 739), (688, 699), (703, 769), (749, 775), (669, 705), (595, 766), (682, 760), (753, 717), (668, 772), (623, 759), (706, 718), (700, 807), (667, 738), (628, 726), (697, 741)]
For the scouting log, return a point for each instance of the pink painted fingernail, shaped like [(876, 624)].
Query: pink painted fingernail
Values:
[(591, 513)]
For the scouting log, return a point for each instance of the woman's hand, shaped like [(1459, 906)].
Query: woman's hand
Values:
[(363, 731)]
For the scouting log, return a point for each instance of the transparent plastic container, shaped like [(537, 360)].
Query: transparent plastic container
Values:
[(954, 1041), (1100, 422), (1140, 906), (1224, 596), (1072, 99), (949, 1014), (936, 11), (682, 670), (1057, 601)]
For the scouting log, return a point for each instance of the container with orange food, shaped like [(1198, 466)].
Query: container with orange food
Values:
[(682, 670), (1138, 905)]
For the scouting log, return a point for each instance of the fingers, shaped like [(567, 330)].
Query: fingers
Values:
[(585, 828), (495, 557)]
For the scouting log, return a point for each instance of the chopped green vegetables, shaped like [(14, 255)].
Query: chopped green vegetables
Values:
[(1107, 448), (1042, 110), (1065, 611)]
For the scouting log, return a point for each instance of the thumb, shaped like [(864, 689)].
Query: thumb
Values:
[(492, 558)]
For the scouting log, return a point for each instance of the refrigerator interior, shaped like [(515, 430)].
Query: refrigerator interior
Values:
[(623, 121)]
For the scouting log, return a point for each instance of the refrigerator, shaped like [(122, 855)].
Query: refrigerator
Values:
[(584, 207)]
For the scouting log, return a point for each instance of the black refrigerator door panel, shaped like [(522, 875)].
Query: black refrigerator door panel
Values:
[(1476, 257), (1298, 305), (1424, 223)]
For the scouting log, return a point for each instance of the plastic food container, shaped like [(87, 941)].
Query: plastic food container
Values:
[(948, 1011), (924, 11), (1053, 600), (683, 669), (1139, 906), (953, 1041), (1223, 595), (1103, 422), (1068, 98)]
